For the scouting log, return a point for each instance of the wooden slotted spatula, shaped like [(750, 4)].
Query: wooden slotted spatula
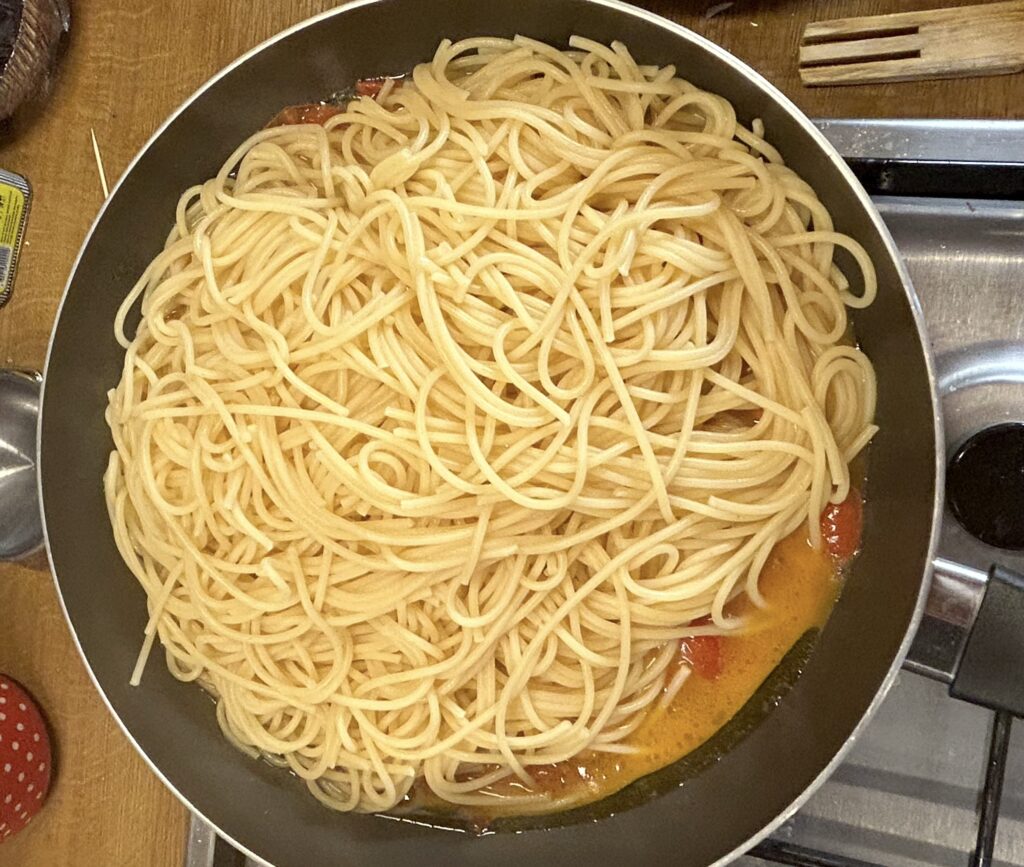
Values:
[(985, 39)]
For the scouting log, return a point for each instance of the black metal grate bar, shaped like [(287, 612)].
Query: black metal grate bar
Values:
[(778, 852), (992, 792), (933, 178)]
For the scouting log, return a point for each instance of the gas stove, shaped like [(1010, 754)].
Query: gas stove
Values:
[(924, 784)]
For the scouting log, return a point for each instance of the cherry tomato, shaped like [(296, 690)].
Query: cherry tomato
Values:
[(372, 86), (704, 654), (369, 86), (314, 112), (841, 525)]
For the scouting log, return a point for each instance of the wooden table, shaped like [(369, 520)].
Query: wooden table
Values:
[(129, 63)]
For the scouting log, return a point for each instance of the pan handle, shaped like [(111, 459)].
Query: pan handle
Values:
[(972, 634), (21, 529)]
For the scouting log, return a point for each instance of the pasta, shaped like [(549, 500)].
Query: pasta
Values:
[(448, 418)]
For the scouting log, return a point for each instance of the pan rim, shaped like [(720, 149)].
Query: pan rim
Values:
[(687, 36)]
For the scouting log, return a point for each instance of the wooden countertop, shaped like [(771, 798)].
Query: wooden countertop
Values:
[(129, 63)]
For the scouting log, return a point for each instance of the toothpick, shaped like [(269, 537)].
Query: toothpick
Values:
[(99, 164)]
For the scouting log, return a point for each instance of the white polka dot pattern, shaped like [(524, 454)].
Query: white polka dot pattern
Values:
[(24, 759)]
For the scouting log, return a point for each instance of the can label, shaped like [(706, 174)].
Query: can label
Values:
[(15, 194)]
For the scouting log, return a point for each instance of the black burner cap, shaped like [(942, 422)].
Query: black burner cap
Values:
[(985, 486)]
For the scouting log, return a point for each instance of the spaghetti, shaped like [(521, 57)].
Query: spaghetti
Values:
[(448, 418)]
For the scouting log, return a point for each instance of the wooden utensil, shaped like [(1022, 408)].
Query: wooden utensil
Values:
[(984, 39)]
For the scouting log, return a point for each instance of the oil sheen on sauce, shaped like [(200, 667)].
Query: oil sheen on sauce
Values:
[(800, 585)]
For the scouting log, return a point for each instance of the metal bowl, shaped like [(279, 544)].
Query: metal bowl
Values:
[(22, 535)]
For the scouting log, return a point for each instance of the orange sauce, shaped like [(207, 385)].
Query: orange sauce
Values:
[(800, 585)]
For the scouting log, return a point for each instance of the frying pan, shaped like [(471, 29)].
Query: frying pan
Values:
[(695, 812)]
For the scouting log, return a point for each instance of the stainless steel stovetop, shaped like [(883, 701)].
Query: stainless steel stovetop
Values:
[(910, 792)]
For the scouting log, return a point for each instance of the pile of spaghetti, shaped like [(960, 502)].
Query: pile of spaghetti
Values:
[(446, 419)]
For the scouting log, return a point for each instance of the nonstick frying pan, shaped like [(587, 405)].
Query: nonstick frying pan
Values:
[(702, 810)]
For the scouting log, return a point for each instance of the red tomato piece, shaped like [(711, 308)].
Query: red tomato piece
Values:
[(841, 526), (314, 112), (372, 86), (704, 654), (369, 86)]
